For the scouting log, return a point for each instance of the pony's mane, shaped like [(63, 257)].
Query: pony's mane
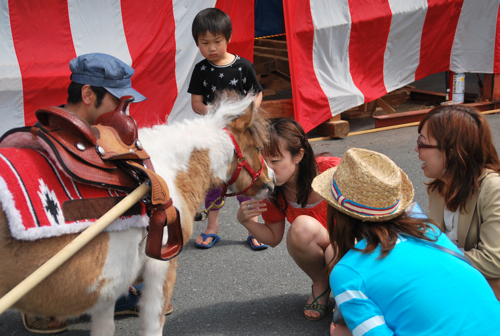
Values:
[(229, 105)]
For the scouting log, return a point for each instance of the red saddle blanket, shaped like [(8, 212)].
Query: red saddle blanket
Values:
[(40, 201)]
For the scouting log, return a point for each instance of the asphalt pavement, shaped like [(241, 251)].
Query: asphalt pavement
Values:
[(233, 290)]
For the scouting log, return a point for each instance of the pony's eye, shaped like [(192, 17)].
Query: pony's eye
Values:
[(259, 149)]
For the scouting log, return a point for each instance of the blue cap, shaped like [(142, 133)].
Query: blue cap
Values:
[(105, 71)]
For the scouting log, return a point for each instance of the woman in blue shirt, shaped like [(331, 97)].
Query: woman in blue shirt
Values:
[(395, 274)]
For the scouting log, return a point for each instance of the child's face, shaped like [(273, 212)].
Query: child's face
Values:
[(213, 47)]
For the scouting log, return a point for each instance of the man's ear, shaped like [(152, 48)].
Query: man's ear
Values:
[(87, 94)]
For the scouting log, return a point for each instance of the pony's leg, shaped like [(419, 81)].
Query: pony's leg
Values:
[(153, 297), (103, 323)]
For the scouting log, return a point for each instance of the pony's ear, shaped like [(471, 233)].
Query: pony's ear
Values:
[(245, 119)]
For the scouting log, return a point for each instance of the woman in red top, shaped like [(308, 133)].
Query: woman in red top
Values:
[(291, 157)]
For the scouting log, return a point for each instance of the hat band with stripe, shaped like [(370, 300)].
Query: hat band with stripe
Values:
[(360, 208)]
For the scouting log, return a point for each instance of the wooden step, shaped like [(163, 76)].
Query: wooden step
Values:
[(269, 43)]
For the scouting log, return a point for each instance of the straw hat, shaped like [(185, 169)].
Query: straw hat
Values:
[(366, 185)]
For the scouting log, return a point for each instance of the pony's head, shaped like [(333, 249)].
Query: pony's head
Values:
[(250, 130)]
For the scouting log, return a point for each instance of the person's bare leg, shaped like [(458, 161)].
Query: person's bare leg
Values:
[(212, 227), (308, 244), (339, 330)]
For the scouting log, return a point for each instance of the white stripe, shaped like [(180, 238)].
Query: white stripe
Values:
[(474, 44), (11, 85), (368, 325), (332, 24), (97, 26), (349, 295), (23, 188), (56, 173), (187, 55), (402, 53)]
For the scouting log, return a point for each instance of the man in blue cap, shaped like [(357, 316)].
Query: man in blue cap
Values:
[(98, 81)]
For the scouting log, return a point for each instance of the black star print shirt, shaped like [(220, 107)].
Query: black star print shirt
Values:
[(208, 78)]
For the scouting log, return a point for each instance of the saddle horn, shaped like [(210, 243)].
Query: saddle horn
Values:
[(124, 124)]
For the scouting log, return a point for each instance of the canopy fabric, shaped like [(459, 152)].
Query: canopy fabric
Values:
[(39, 38), (344, 53)]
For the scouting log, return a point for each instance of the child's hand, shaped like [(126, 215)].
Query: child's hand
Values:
[(249, 209)]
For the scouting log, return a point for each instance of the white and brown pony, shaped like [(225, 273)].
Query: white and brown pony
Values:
[(192, 157)]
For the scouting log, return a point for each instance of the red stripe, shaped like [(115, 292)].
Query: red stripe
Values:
[(242, 14), (371, 23), (150, 33), (43, 44), (496, 64), (310, 103), (438, 34)]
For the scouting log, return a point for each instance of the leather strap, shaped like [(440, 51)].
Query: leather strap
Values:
[(154, 244)]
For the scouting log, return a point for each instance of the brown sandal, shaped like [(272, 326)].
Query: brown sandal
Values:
[(40, 325)]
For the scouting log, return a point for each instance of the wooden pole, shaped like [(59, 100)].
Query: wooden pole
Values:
[(69, 250)]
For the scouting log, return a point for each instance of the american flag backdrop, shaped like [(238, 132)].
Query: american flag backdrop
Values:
[(342, 53)]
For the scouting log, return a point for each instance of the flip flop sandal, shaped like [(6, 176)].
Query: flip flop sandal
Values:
[(256, 247), (321, 309), (216, 239), (40, 325)]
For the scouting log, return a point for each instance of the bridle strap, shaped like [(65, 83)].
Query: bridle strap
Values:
[(242, 163)]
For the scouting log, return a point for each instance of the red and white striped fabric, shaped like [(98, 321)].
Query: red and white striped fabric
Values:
[(344, 53), (39, 38)]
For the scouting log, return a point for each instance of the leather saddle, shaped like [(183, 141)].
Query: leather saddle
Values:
[(110, 155)]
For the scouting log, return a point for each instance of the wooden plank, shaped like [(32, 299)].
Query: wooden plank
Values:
[(281, 108), (265, 67), (281, 62), (274, 82), (389, 128), (398, 97), (368, 107), (268, 43), (496, 87), (386, 107), (282, 75), (271, 51), (334, 129), (415, 116), (355, 114), (427, 95)]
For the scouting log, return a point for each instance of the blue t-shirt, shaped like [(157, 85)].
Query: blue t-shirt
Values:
[(415, 290)]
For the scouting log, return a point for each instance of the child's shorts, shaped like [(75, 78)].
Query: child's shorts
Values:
[(213, 194)]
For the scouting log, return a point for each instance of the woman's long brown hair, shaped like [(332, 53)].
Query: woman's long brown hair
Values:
[(463, 135), (345, 230), (291, 134)]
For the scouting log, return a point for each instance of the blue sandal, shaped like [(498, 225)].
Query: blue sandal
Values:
[(216, 239), (256, 247)]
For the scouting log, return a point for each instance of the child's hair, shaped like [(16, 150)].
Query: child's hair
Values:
[(211, 20)]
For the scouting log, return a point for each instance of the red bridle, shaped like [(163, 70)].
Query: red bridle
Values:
[(242, 162)]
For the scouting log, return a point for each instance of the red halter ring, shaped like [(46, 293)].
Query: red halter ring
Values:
[(242, 162)]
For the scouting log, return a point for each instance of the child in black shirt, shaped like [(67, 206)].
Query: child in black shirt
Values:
[(219, 71)]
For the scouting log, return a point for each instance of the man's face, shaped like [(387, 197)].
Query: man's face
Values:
[(108, 104)]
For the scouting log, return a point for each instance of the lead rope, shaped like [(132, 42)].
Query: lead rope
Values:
[(203, 214)]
